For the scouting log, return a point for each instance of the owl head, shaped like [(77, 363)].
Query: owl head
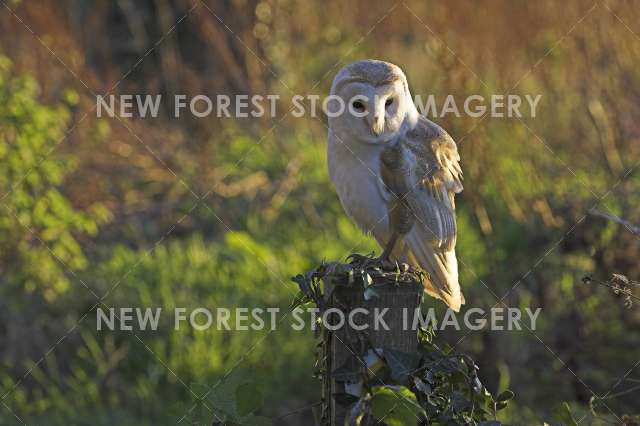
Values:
[(370, 102)]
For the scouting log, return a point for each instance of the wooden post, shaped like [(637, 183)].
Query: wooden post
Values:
[(383, 354), (393, 302)]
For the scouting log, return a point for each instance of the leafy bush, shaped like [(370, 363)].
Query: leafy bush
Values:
[(39, 224)]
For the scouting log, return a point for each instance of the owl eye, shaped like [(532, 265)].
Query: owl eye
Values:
[(358, 106), (388, 102)]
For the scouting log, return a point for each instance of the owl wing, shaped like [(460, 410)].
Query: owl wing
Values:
[(434, 178)]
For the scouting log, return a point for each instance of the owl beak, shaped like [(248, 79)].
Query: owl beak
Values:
[(377, 127)]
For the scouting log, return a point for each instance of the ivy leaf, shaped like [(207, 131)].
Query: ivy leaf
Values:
[(401, 364), (566, 416), (459, 402), (366, 279), (299, 300), (421, 386), (445, 365), (505, 396), (396, 406), (303, 283), (344, 399), (357, 413), (370, 293)]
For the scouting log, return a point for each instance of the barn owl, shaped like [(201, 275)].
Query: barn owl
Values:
[(396, 173)]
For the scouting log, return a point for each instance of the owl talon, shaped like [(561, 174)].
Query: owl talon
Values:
[(385, 257)]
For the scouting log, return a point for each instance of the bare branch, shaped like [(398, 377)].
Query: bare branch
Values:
[(634, 229)]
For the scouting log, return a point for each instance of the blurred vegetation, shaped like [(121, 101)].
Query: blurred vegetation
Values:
[(165, 212)]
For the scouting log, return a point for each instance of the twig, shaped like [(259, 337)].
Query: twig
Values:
[(634, 229), (621, 393), (619, 284)]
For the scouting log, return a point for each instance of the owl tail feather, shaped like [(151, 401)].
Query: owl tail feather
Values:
[(442, 268)]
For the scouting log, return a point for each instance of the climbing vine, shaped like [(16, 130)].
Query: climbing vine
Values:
[(431, 386)]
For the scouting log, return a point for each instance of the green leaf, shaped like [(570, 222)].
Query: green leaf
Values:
[(303, 283), (344, 399), (370, 293), (357, 413), (459, 402), (395, 406), (566, 416), (505, 396), (401, 364), (299, 300)]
